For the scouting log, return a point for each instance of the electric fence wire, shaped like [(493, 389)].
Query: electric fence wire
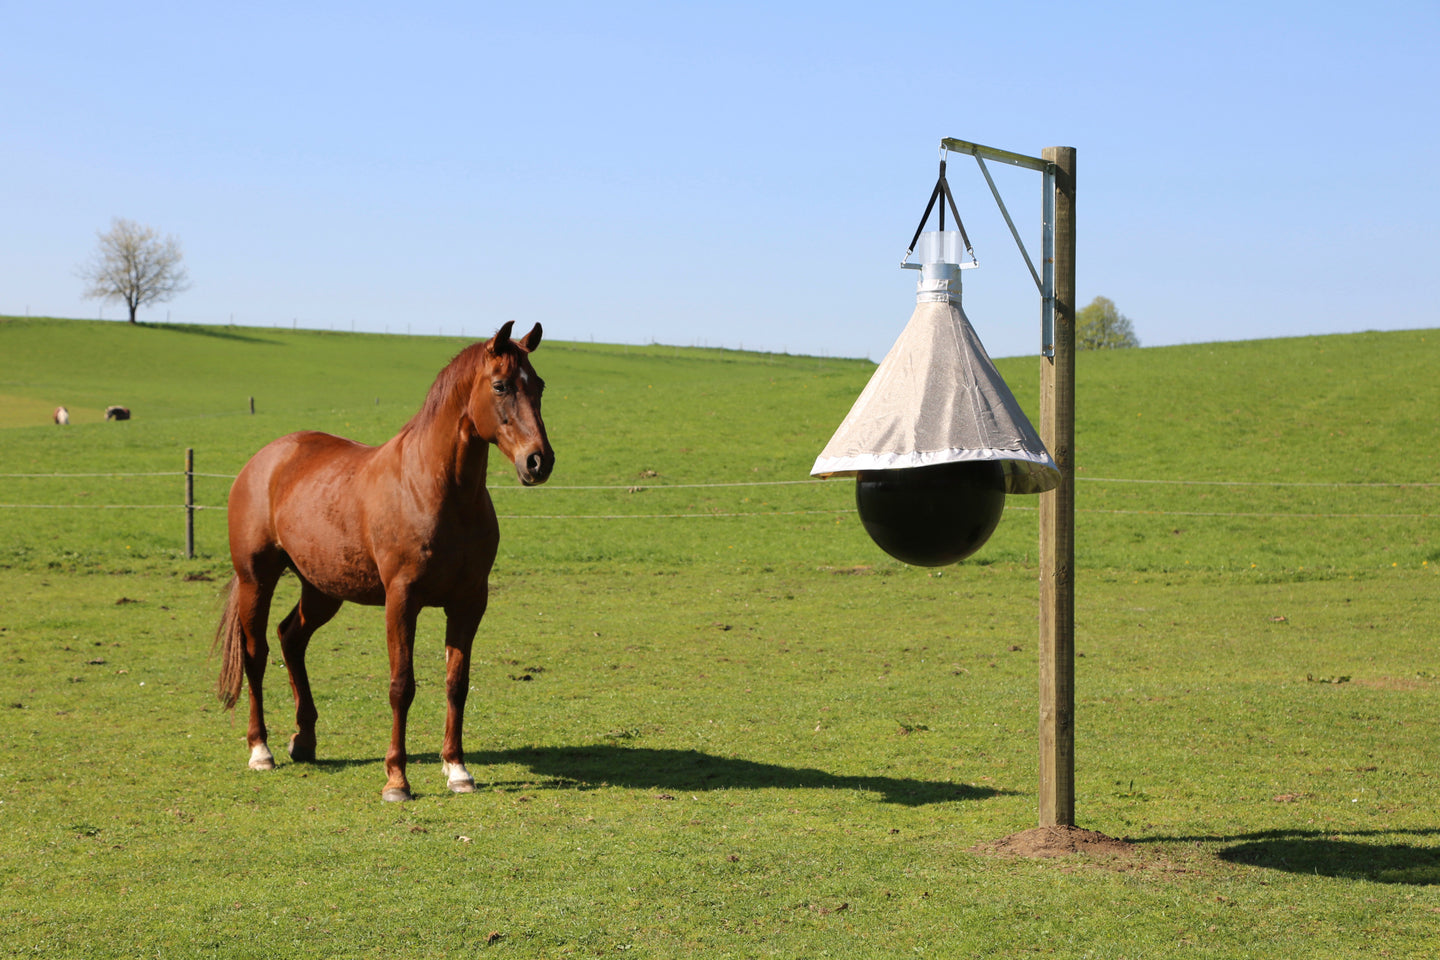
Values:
[(647, 488)]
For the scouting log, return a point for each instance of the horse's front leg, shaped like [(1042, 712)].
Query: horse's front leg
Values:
[(400, 616), (461, 622)]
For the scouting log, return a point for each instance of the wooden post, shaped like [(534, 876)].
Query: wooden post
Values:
[(252, 406), (1057, 521), (189, 503)]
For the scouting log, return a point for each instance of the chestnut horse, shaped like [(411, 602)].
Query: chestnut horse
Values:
[(405, 525)]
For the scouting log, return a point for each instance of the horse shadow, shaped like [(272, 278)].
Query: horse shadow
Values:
[(1315, 852), (687, 771)]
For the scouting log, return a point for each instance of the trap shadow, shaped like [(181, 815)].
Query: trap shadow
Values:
[(590, 767), (1360, 855)]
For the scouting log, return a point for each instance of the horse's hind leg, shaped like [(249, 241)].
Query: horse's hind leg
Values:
[(312, 612), (252, 608)]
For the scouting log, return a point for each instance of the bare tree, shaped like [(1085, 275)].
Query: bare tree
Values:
[(134, 265), (1101, 326)]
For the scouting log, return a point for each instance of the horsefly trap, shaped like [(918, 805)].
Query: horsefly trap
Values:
[(936, 439)]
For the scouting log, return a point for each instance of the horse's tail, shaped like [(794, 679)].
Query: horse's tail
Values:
[(230, 644)]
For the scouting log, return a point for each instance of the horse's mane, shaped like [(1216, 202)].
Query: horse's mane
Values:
[(458, 375)]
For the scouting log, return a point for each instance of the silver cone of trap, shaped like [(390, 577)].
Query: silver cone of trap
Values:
[(936, 401)]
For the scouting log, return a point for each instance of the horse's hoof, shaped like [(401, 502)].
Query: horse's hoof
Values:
[(261, 758), (457, 778), (396, 795), (301, 754)]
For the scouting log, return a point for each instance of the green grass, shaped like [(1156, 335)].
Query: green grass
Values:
[(740, 735)]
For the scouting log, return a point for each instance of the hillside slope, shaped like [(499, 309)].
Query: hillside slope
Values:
[(1263, 452)]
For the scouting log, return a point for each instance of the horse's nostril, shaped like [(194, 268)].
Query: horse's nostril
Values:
[(535, 463)]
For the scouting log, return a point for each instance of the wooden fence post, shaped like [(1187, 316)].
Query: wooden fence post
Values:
[(1057, 521), (189, 503)]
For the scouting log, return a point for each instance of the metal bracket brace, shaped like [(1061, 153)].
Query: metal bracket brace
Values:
[(1045, 280)]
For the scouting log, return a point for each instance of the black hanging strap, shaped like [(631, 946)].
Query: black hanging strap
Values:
[(942, 188)]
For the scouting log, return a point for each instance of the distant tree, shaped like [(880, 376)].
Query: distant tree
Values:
[(1101, 326), (134, 265)]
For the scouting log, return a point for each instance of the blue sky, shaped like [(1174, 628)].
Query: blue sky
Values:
[(723, 174)]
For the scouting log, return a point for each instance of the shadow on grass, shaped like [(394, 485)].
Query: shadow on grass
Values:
[(220, 333), (594, 767), (591, 767), (1324, 854)]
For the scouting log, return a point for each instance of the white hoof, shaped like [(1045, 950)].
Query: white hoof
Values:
[(457, 778), (261, 758)]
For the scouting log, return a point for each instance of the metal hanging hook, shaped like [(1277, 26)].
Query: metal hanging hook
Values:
[(944, 197)]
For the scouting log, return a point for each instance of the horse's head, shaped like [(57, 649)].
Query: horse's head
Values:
[(505, 403)]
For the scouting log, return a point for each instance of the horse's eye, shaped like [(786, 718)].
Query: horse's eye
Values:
[(501, 387)]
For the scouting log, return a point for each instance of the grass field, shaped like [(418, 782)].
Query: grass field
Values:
[(716, 720)]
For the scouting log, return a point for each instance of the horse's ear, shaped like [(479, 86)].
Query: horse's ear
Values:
[(531, 340), (501, 338)]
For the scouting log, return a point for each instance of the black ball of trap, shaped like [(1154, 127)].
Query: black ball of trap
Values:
[(931, 516)]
